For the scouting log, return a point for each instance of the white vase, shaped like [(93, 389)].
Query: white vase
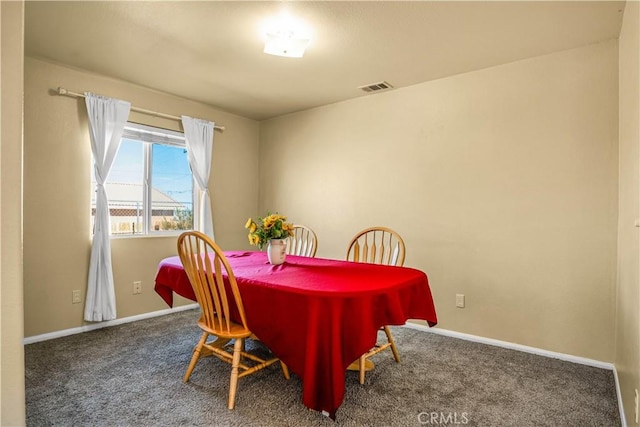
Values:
[(277, 251)]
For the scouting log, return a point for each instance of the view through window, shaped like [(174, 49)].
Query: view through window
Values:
[(150, 186)]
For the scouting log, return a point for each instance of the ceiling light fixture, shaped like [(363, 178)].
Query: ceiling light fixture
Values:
[(286, 36)]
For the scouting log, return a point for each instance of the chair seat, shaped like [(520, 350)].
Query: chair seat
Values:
[(235, 330)]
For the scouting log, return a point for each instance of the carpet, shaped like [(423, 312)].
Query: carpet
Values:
[(131, 375)]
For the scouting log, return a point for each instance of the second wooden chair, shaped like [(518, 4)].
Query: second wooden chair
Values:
[(377, 245)]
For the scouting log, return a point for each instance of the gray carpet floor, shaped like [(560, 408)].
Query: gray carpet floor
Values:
[(131, 375)]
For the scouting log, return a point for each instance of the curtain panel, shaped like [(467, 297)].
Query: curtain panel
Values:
[(199, 140), (107, 118)]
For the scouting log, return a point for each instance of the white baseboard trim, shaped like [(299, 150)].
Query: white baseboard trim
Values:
[(94, 326), (513, 346), (623, 419)]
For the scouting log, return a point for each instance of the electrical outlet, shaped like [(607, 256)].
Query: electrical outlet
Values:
[(460, 300), (75, 296), (137, 287)]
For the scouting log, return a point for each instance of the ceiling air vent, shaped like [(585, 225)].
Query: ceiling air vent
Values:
[(376, 87)]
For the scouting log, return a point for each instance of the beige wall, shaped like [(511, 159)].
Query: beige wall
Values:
[(503, 183), (627, 356), (12, 406), (57, 194)]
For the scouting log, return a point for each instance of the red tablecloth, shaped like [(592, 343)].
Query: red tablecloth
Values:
[(317, 315)]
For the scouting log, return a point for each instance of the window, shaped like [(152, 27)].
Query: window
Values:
[(150, 186)]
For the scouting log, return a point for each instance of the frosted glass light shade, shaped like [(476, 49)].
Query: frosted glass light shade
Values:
[(285, 44)]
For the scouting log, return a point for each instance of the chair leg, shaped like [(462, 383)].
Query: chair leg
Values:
[(394, 349), (195, 357), (285, 370), (361, 365), (233, 385)]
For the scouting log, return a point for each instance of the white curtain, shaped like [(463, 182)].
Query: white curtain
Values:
[(199, 136), (107, 118)]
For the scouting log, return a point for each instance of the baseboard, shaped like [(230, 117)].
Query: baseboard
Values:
[(513, 346), (623, 419), (94, 326)]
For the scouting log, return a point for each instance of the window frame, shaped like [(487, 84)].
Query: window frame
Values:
[(149, 136)]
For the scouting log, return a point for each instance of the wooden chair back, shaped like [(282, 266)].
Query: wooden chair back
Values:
[(205, 265), (304, 242), (377, 245)]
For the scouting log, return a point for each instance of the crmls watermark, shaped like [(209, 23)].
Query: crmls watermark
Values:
[(443, 418)]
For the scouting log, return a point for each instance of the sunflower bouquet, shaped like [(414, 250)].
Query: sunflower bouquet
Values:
[(272, 226)]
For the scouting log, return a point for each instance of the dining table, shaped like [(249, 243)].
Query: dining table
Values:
[(317, 315)]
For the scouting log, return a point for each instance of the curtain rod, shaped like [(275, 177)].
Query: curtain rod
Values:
[(63, 91)]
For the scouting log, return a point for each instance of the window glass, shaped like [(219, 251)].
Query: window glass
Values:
[(172, 194), (125, 189)]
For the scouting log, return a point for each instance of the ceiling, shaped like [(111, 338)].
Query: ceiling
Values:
[(212, 51)]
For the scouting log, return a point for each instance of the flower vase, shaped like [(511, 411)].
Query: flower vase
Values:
[(277, 251)]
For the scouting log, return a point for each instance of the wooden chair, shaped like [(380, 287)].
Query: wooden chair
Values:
[(304, 242), (204, 262), (377, 245)]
